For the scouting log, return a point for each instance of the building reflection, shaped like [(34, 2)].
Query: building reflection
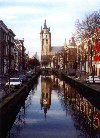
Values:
[(80, 105), (46, 88), (47, 85), (86, 117)]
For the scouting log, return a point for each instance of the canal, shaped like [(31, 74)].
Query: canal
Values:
[(53, 109)]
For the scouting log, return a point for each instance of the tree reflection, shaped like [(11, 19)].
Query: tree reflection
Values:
[(20, 122)]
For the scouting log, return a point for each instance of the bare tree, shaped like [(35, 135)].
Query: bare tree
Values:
[(86, 28)]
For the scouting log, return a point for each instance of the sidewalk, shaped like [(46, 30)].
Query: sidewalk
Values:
[(82, 77)]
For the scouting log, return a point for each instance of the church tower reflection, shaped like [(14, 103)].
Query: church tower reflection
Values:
[(46, 88)]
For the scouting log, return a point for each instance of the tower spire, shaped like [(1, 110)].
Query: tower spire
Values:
[(65, 44), (45, 26)]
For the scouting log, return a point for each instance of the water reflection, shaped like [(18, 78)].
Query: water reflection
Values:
[(86, 117), (55, 109), (20, 121), (46, 88), (80, 109)]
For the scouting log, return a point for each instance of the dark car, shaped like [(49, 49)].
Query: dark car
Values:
[(29, 74), (23, 78)]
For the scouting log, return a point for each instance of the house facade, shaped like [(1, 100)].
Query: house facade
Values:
[(12, 52), (6, 49)]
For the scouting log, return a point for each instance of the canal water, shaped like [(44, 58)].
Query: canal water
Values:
[(53, 109)]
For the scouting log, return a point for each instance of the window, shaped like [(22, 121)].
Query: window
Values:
[(46, 41)]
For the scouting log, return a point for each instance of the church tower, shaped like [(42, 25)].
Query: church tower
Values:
[(65, 45), (45, 38)]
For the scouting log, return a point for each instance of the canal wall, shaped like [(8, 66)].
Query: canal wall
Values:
[(11, 105), (92, 94)]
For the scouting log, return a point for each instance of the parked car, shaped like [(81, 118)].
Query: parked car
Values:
[(29, 73), (89, 79), (23, 78), (14, 83)]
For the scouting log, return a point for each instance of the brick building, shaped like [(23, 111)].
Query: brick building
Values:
[(6, 49)]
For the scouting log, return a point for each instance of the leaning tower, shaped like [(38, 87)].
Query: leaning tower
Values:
[(45, 38)]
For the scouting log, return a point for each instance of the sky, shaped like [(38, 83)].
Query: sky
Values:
[(25, 18)]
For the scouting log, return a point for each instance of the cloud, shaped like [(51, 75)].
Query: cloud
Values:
[(33, 121), (29, 1), (5, 17), (18, 10), (25, 18)]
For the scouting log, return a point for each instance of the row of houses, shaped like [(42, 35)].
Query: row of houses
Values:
[(12, 52), (83, 55), (89, 51)]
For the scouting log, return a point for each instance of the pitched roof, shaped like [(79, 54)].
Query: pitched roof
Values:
[(57, 48)]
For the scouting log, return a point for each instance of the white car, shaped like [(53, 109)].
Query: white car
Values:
[(14, 83), (89, 79)]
